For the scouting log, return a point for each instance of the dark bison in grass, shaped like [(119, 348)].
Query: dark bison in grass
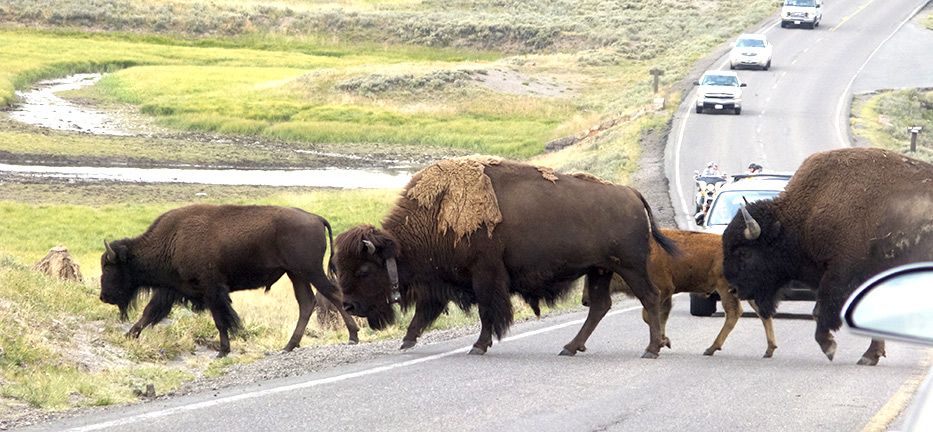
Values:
[(197, 255), (697, 269), (844, 216), (474, 231)]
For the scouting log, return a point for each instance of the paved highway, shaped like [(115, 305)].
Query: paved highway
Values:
[(797, 108)]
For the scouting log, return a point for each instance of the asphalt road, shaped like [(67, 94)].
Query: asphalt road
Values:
[(797, 108), (523, 385), (801, 105)]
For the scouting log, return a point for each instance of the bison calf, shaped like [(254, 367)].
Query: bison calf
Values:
[(197, 255), (698, 269)]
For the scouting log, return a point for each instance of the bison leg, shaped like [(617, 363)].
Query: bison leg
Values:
[(646, 292), (666, 306), (225, 318), (597, 285), (733, 310), (333, 295), (874, 353), (426, 311), (829, 300), (768, 323), (158, 308), (306, 303), (491, 288)]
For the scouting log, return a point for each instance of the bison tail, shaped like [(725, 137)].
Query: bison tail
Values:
[(666, 243), (331, 268)]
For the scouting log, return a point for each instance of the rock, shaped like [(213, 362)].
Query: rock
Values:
[(560, 143), (59, 264)]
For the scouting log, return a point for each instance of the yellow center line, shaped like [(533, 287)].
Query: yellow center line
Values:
[(860, 8), (896, 405)]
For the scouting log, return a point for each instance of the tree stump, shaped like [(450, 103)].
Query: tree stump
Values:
[(59, 264)]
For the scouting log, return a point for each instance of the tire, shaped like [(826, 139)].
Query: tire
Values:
[(699, 110), (783, 24), (767, 65), (738, 111), (701, 305), (731, 66), (812, 25)]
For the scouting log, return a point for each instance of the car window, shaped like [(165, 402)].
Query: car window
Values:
[(750, 43), (720, 80), (728, 203), (800, 3)]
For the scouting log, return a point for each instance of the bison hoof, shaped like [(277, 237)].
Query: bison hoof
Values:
[(649, 355), (477, 351), (353, 341), (568, 352), (222, 354), (666, 342), (710, 351), (868, 361), (407, 344), (768, 354), (829, 348)]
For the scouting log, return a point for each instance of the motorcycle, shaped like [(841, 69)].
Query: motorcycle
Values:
[(706, 188)]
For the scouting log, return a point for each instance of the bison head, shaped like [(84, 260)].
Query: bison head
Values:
[(759, 256), (367, 274), (116, 282)]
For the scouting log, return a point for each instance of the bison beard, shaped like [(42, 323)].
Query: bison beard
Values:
[(197, 255), (476, 231), (845, 215)]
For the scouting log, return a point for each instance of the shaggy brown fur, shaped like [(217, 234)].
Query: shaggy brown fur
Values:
[(836, 224), (698, 269), (199, 254), (589, 177), (58, 264), (550, 234)]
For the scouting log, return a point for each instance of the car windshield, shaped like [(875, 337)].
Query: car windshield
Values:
[(728, 204), (750, 43), (720, 80), (810, 3)]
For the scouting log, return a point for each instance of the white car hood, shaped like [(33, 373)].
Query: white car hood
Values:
[(808, 9), (713, 89)]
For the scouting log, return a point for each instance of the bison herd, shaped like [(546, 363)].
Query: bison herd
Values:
[(476, 231)]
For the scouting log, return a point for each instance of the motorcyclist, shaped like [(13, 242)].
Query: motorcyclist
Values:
[(712, 170), (754, 168)]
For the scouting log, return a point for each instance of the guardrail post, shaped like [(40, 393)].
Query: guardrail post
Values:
[(914, 131)]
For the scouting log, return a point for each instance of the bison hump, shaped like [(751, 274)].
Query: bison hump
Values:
[(462, 192)]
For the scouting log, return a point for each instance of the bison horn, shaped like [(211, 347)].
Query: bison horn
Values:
[(752, 229), (370, 246), (111, 255)]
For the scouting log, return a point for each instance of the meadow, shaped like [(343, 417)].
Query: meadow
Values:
[(883, 120), (356, 76)]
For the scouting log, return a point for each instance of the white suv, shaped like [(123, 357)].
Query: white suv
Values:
[(802, 13), (729, 198), (719, 90)]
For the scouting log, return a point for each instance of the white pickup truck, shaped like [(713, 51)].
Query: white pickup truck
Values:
[(802, 13)]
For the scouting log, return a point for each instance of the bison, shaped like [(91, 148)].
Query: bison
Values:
[(473, 231), (197, 255), (698, 269), (844, 216)]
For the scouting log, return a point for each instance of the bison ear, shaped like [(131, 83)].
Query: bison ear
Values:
[(389, 249)]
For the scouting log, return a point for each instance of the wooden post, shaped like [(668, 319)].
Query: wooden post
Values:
[(914, 131), (656, 73)]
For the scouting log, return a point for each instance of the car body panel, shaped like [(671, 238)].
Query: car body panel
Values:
[(751, 50)]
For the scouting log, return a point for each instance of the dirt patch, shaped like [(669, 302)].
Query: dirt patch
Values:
[(650, 179), (511, 82)]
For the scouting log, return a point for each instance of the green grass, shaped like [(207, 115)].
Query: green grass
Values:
[(883, 120)]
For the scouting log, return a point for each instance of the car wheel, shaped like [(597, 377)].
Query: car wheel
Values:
[(701, 305), (699, 110), (731, 66), (812, 25), (767, 65), (738, 111), (783, 24)]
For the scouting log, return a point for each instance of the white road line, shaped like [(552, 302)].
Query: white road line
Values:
[(844, 138), (314, 383)]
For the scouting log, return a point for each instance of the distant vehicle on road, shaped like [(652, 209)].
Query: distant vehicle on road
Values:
[(751, 50), (719, 90), (806, 13)]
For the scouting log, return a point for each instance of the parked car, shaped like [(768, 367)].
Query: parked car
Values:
[(719, 90), (877, 309), (751, 50), (807, 13), (725, 205)]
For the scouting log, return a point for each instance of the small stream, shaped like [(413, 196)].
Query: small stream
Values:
[(43, 108)]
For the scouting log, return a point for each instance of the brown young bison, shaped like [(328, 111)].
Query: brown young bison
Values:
[(474, 231), (199, 254), (844, 216), (697, 269)]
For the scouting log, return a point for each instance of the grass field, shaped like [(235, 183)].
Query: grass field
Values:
[(488, 76), (883, 120)]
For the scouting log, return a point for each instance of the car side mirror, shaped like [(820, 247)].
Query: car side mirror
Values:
[(743, 85), (896, 304), (696, 83)]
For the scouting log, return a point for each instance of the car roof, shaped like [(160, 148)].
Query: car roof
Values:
[(721, 73), (758, 183), (779, 175)]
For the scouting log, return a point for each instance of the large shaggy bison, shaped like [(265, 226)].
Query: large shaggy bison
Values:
[(844, 216), (697, 269), (199, 254), (475, 231)]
